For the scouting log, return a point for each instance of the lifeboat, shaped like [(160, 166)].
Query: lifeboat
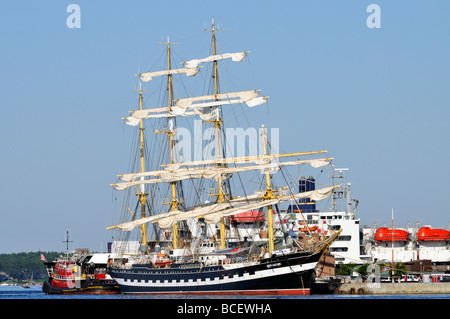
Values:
[(251, 216), (386, 234), (162, 261), (312, 228), (428, 234)]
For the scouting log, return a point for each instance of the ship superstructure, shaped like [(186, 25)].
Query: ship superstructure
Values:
[(359, 244), (341, 215), (408, 244)]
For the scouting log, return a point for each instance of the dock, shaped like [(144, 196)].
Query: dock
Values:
[(407, 288)]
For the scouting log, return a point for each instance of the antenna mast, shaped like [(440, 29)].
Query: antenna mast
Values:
[(67, 241)]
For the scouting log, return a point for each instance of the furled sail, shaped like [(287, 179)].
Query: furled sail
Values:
[(315, 195), (316, 163), (213, 213), (243, 95), (249, 97), (186, 107), (258, 159), (212, 172), (236, 57), (197, 211), (145, 77)]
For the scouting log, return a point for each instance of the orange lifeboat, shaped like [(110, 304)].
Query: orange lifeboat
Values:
[(312, 228), (162, 261), (428, 234), (251, 216), (386, 234)]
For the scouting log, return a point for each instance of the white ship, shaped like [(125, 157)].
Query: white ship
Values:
[(368, 244), (348, 247)]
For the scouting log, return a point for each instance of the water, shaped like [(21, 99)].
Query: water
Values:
[(35, 292)]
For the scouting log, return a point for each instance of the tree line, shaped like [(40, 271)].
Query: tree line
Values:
[(24, 266)]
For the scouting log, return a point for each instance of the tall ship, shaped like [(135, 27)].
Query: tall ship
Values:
[(191, 216)]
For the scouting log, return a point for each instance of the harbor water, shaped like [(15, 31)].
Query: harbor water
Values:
[(35, 292)]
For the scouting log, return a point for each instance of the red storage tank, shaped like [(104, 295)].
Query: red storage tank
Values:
[(387, 234), (251, 216), (428, 234)]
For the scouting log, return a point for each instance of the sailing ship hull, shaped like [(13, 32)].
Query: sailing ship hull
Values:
[(291, 274)]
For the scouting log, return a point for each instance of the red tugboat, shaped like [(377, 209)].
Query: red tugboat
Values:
[(387, 234), (80, 274), (428, 234)]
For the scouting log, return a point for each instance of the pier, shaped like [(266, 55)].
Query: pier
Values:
[(408, 288)]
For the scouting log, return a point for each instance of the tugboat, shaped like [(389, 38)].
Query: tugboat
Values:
[(80, 273)]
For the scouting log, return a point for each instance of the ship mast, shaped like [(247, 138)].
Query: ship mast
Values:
[(268, 195), (171, 132), (142, 194), (67, 241), (217, 123)]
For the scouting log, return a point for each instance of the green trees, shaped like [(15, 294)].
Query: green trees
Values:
[(346, 269), (24, 266)]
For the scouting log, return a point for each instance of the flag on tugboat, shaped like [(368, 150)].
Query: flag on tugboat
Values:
[(43, 257)]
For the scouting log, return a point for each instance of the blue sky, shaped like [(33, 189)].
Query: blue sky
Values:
[(375, 99)]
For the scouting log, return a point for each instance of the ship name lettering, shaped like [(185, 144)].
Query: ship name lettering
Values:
[(246, 308), (273, 265)]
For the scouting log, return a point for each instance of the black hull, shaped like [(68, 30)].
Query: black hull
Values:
[(290, 274), (94, 288)]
